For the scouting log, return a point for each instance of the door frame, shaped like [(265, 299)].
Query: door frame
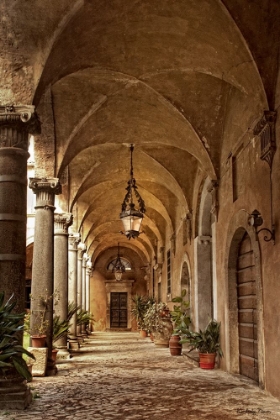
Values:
[(122, 286), (238, 227)]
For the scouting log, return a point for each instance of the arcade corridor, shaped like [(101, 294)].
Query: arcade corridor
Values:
[(121, 376)]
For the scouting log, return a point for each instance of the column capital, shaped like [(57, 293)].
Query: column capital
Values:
[(16, 121), (73, 241), (51, 185), (81, 250), (45, 190), (89, 267), (61, 223)]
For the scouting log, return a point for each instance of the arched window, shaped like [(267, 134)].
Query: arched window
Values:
[(124, 262)]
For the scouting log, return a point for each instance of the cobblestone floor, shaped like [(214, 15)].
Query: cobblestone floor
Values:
[(121, 376)]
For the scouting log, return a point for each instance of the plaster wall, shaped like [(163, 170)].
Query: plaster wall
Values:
[(233, 215)]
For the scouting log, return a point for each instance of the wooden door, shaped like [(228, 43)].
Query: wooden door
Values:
[(247, 311), (118, 310)]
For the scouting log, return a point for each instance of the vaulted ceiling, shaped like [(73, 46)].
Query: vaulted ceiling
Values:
[(182, 80)]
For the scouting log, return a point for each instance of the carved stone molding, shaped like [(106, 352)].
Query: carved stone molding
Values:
[(173, 243), (16, 122), (73, 240), (62, 221), (81, 250), (188, 228), (204, 240), (265, 129), (89, 267), (45, 190), (213, 190)]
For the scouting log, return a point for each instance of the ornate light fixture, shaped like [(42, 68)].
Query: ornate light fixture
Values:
[(255, 219), (118, 268), (130, 216)]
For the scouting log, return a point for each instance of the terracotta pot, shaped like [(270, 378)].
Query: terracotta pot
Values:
[(143, 333), (207, 360), (175, 346), (38, 340), (54, 354)]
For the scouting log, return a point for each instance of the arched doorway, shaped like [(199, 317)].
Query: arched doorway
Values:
[(247, 310), (244, 319)]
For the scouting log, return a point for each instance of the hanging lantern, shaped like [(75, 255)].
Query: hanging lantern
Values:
[(132, 217), (118, 268)]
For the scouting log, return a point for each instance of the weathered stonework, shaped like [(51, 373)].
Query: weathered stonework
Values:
[(39, 366)]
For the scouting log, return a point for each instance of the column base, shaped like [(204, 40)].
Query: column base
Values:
[(51, 368), (63, 353)]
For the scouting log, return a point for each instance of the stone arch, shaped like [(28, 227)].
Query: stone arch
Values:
[(238, 228), (185, 277), (203, 284)]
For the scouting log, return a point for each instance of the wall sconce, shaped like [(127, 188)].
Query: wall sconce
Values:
[(255, 220)]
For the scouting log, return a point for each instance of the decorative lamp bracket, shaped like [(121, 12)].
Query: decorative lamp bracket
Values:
[(255, 219)]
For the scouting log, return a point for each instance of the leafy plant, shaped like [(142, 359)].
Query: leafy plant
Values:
[(11, 351), (207, 341), (153, 319), (141, 305), (180, 314), (84, 317), (60, 328)]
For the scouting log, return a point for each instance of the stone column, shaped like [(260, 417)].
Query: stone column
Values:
[(73, 240), (61, 223), (88, 274), (81, 249), (84, 291), (16, 122), (43, 258)]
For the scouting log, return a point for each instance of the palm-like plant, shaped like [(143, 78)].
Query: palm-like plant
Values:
[(139, 309), (180, 314), (11, 351), (207, 341), (60, 328)]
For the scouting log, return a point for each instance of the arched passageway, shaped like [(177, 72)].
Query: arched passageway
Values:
[(194, 86)]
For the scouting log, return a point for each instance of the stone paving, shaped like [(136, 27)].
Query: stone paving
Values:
[(121, 376)]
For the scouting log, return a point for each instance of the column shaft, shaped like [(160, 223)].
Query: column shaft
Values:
[(73, 241), (43, 256), (61, 223), (16, 122), (81, 250), (84, 290)]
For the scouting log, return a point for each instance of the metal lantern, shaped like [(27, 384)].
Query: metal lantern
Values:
[(132, 217), (118, 268)]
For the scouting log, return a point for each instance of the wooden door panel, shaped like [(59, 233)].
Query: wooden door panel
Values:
[(118, 310), (247, 314)]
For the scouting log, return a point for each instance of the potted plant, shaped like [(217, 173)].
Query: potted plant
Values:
[(11, 351), (138, 312), (157, 321), (84, 317), (207, 342), (37, 325), (181, 321), (60, 329)]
